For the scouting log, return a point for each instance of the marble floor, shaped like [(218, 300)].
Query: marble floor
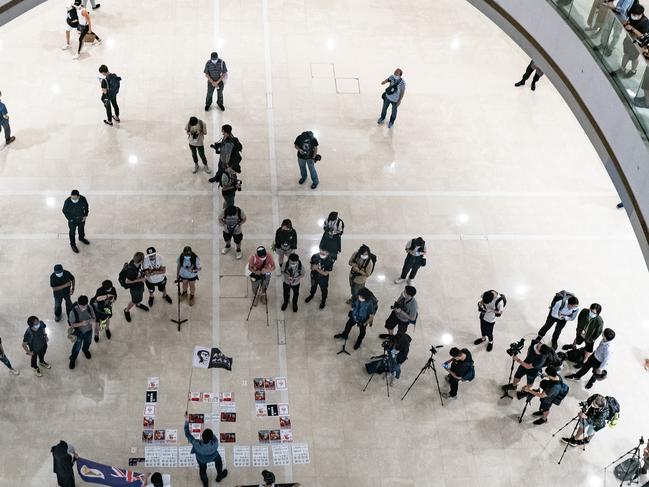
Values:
[(502, 183)]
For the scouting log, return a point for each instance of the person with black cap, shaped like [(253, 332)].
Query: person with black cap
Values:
[(333, 228), (83, 319), (260, 266), (102, 302), (135, 282), (361, 315), (321, 265), (415, 258), (188, 267), (292, 273), (268, 479), (64, 456), (35, 344), (231, 220), (156, 479), (62, 284), (285, 242), (404, 311), (75, 209), (154, 271), (216, 73), (460, 368), (206, 451)]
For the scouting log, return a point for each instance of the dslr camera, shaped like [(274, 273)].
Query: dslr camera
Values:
[(317, 158), (516, 347), (217, 147), (396, 305)]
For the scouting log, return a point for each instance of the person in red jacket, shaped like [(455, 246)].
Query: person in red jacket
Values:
[(261, 266)]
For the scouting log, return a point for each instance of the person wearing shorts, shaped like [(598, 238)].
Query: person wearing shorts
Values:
[(231, 220), (135, 281), (154, 271), (285, 242), (537, 354), (102, 303), (404, 311), (188, 267)]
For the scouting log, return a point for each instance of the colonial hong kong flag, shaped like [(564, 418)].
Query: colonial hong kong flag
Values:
[(97, 473)]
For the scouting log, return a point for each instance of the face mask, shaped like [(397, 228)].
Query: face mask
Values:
[(292, 264), (361, 300), (397, 77), (404, 295), (74, 201), (36, 327), (186, 258), (636, 17), (591, 314), (365, 257), (262, 258), (214, 61), (59, 274), (323, 256)]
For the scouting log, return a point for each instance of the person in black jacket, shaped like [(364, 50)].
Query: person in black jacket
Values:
[(76, 211), (64, 456), (285, 241), (458, 367)]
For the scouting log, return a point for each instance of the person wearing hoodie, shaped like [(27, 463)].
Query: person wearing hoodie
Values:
[(261, 266), (292, 273), (206, 450), (285, 241), (64, 456), (362, 266), (459, 367)]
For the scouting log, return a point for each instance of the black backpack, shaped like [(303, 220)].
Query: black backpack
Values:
[(374, 301), (235, 155), (562, 296), (561, 395), (73, 17), (501, 299), (613, 408), (113, 82), (122, 276), (393, 87), (576, 355)]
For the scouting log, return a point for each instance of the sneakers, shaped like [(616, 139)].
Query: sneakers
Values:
[(143, 307), (76, 56), (537, 413), (519, 83), (127, 315), (191, 300), (84, 241), (533, 86), (571, 441), (97, 41), (74, 248), (116, 119), (224, 474), (340, 336), (38, 373), (14, 371), (225, 250), (11, 139), (357, 345), (206, 168), (96, 338), (478, 341), (284, 306), (447, 395), (108, 123), (71, 366), (195, 170), (238, 255), (571, 376), (221, 107), (167, 298), (398, 280), (308, 298), (490, 346), (508, 387), (314, 185), (390, 125), (540, 421), (301, 181), (295, 308), (380, 121), (322, 304), (108, 333), (87, 354), (150, 300), (207, 108), (66, 47)]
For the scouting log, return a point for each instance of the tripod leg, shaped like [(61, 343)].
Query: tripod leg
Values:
[(368, 382), (572, 435), (254, 299), (266, 301), (387, 384), (413, 382)]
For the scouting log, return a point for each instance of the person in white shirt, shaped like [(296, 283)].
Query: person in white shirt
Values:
[(598, 361), (564, 308), (490, 306), (85, 26), (154, 271), (157, 479)]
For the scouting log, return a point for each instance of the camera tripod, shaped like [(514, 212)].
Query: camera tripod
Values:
[(634, 452), (509, 381), (572, 435), (528, 400), (261, 291), (386, 367), (342, 350), (179, 321), (430, 364)]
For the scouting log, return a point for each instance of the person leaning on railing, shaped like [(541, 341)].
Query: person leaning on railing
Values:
[(637, 26)]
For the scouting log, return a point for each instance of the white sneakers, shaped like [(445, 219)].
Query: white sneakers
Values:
[(14, 371), (206, 168), (225, 250), (398, 280), (76, 56), (37, 372), (195, 170), (66, 47), (238, 255)]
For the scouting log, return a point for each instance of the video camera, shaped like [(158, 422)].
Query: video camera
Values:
[(433, 349), (516, 347)]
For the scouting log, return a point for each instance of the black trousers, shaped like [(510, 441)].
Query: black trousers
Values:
[(198, 150), (591, 363), (38, 356), (454, 384), (348, 328), (549, 322), (323, 282), (73, 226), (411, 264), (529, 71), (111, 101), (210, 93), (287, 293), (58, 300), (202, 470), (487, 330)]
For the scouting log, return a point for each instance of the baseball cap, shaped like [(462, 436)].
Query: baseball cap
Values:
[(150, 250), (58, 268)]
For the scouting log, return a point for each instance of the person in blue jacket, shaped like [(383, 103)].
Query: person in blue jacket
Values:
[(206, 450)]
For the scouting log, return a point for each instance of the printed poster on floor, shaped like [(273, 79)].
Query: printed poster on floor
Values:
[(300, 453), (186, 458), (260, 456), (281, 456), (241, 456), (153, 383)]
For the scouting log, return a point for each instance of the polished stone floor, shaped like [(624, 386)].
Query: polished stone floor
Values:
[(502, 183)]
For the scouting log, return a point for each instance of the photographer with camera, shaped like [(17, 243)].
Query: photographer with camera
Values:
[(593, 417), (563, 308), (231, 220), (598, 361), (362, 265), (261, 266), (415, 258), (285, 242), (196, 132), (292, 274), (460, 369), (321, 266), (188, 267), (307, 155), (537, 354), (102, 302), (227, 179), (229, 150), (552, 391), (404, 312), (133, 280), (362, 314), (589, 327), (401, 345), (333, 228), (155, 271), (490, 307)]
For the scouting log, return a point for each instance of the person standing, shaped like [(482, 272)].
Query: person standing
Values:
[(531, 68), (83, 319), (229, 185), (231, 220), (216, 73), (110, 84), (285, 242), (549, 393), (564, 308), (333, 228), (392, 96), (71, 23), (5, 360), (307, 151), (102, 303), (154, 270), (196, 132), (188, 267), (85, 26), (490, 306), (35, 344), (589, 327), (460, 369), (261, 266), (4, 122), (362, 266), (62, 284), (229, 150), (361, 315), (530, 367), (76, 209), (64, 456), (598, 361), (321, 265), (292, 274), (404, 312), (135, 284), (415, 258), (95, 6), (206, 451)]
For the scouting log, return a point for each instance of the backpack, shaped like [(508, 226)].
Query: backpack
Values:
[(235, 155), (576, 355), (375, 303), (113, 82), (613, 410), (469, 375), (122, 276), (73, 17), (553, 359), (501, 299), (562, 296), (563, 392), (75, 313)]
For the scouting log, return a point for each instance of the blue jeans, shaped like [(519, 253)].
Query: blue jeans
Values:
[(384, 111), (4, 124), (83, 342), (5, 360), (311, 164)]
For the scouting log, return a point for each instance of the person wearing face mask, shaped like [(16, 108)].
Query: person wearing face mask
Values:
[(231, 219), (62, 284), (285, 242), (362, 265), (35, 344), (261, 266), (196, 132), (76, 209), (307, 156), (292, 273), (330, 242), (110, 84), (361, 315), (4, 122), (404, 311), (531, 68), (216, 73), (188, 267), (589, 327), (563, 308), (229, 150), (154, 271), (135, 279), (637, 26), (321, 265), (102, 303), (415, 258), (83, 319), (392, 96), (598, 361)]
